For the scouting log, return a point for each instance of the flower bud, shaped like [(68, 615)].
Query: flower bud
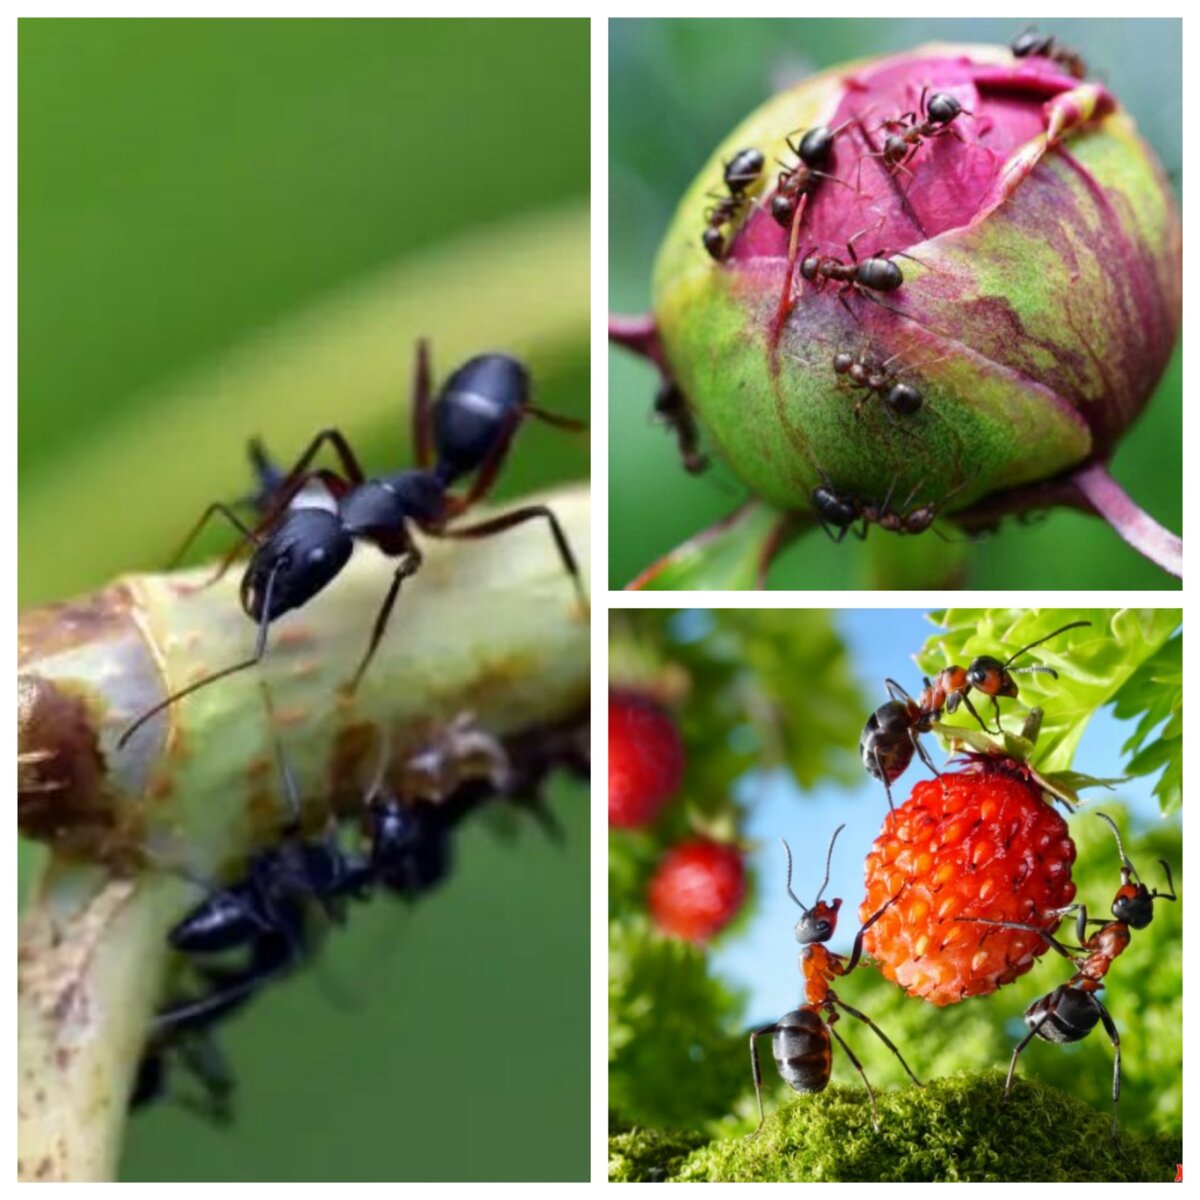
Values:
[(957, 272)]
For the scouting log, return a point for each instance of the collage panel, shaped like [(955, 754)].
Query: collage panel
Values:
[(894, 895), (895, 304), (304, 810)]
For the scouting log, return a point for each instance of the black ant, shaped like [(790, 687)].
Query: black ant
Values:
[(839, 512), (1073, 1009), (902, 399), (742, 172), (1031, 44), (893, 730), (298, 550), (671, 408), (813, 152), (800, 1040), (935, 114)]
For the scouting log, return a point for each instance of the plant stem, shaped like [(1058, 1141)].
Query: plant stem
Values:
[(1137, 527)]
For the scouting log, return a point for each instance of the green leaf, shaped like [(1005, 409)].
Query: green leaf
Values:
[(1094, 665), (1154, 695)]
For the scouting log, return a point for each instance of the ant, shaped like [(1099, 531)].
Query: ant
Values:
[(936, 116), (813, 152), (874, 274), (1031, 44), (299, 550), (671, 408), (800, 1040), (902, 399), (742, 172), (892, 732), (1073, 1009), (835, 511)]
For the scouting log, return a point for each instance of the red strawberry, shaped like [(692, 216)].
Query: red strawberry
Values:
[(645, 759), (982, 842), (697, 889)]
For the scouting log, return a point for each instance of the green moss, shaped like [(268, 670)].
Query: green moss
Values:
[(956, 1129), (648, 1155)]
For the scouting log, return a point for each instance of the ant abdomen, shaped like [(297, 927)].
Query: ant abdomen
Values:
[(1072, 1015), (803, 1051), (476, 403)]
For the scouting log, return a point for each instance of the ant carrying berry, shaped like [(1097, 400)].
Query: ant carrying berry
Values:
[(878, 378), (892, 732), (466, 429), (742, 172), (800, 1040), (906, 133), (1031, 44), (671, 408), (1073, 1009)]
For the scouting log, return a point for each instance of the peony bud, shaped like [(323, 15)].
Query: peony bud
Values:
[(964, 281)]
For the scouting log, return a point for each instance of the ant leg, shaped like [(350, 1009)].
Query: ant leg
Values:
[(409, 565), (856, 953), (887, 784), (226, 996), (896, 692), (213, 510), (762, 1116), (516, 517), (260, 649), (1049, 939), (202, 1058), (422, 425), (996, 710), (557, 420), (1012, 1066), (859, 1068), (1110, 1028), (971, 709), (883, 1037), (916, 741)]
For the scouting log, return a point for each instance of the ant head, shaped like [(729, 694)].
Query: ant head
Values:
[(942, 108), (1134, 902), (714, 242), (809, 266), (304, 553), (783, 209), (842, 362), (1026, 43), (988, 675), (816, 146), (818, 924), (820, 921)]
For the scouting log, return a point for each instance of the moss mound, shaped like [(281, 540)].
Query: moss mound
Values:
[(955, 1129)]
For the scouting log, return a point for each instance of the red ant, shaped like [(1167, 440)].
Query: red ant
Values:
[(742, 172), (671, 408), (1031, 44), (1073, 1009), (892, 732), (935, 120), (466, 429), (800, 1040)]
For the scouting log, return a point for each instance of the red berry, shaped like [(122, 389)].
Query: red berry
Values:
[(981, 843), (697, 889), (645, 759)]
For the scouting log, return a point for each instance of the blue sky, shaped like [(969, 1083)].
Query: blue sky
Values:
[(763, 958)]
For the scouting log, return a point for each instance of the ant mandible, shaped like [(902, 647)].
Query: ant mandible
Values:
[(741, 173), (1031, 44), (800, 1040), (1073, 1009), (299, 550), (893, 731)]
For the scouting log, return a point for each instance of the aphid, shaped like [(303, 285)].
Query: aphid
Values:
[(298, 551), (892, 733), (905, 134), (1031, 44), (741, 175), (879, 379), (1073, 1009), (671, 408), (800, 1040), (813, 152)]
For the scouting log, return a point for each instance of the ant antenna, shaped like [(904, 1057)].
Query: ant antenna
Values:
[(1047, 670), (789, 877), (828, 860), (291, 793), (1120, 848)]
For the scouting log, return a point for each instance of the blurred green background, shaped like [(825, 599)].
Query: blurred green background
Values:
[(205, 205), (699, 78)]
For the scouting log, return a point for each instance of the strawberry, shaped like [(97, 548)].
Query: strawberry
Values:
[(981, 842), (645, 759), (697, 890)]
